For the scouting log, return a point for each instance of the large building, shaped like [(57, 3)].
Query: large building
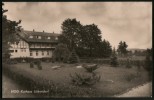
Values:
[(34, 45)]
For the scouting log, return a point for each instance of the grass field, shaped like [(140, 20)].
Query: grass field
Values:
[(114, 80)]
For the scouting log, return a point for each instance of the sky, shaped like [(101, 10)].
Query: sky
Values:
[(118, 21)]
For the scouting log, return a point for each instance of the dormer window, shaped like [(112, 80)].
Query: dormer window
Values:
[(31, 37), (48, 37), (38, 37)]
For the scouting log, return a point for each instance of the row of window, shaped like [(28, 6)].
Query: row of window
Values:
[(40, 45), (39, 37), (37, 54), (22, 50)]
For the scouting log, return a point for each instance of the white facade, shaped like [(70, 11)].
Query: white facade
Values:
[(23, 49), (20, 49)]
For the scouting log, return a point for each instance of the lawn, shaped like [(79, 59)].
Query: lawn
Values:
[(114, 80)]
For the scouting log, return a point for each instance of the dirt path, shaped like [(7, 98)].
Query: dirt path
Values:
[(9, 85), (140, 91)]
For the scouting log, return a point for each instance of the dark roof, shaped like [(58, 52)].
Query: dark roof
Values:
[(25, 36)]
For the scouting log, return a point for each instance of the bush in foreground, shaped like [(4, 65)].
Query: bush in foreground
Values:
[(84, 79)]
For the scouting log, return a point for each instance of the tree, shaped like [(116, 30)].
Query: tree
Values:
[(9, 30), (73, 58), (61, 53), (105, 49), (91, 38), (71, 29), (114, 51), (122, 48)]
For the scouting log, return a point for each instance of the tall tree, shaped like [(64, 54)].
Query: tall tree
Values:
[(71, 29), (122, 48), (91, 37), (105, 49), (9, 30)]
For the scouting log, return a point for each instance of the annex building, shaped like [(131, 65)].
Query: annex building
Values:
[(34, 45)]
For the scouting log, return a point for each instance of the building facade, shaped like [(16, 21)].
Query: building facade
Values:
[(34, 45)]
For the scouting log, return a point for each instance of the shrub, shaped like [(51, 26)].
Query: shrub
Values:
[(37, 62), (147, 63), (130, 77), (61, 53), (12, 61), (84, 79), (73, 58), (114, 61), (31, 65), (39, 67), (128, 63)]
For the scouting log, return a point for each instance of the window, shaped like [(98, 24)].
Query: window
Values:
[(24, 50), (39, 37), (42, 53), (21, 50), (56, 38), (30, 36), (48, 37), (47, 52), (11, 50), (31, 54), (36, 53), (16, 50)]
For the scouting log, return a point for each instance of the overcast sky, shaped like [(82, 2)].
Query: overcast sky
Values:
[(118, 21)]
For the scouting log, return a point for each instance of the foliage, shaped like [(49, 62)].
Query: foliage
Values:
[(105, 49), (9, 30), (128, 63), (85, 39), (148, 63), (73, 58), (87, 79), (31, 65), (61, 53), (122, 48), (71, 29), (114, 61), (39, 67), (37, 61), (91, 38), (84, 79), (11, 61)]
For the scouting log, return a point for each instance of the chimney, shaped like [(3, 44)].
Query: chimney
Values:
[(43, 31), (53, 32), (33, 30)]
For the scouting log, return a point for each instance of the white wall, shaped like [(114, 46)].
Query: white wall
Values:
[(40, 54), (22, 49)]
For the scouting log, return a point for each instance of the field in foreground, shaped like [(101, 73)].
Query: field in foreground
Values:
[(114, 80)]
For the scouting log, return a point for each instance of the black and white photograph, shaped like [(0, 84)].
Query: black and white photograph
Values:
[(76, 49)]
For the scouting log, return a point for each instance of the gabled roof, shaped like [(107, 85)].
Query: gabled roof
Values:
[(26, 34)]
